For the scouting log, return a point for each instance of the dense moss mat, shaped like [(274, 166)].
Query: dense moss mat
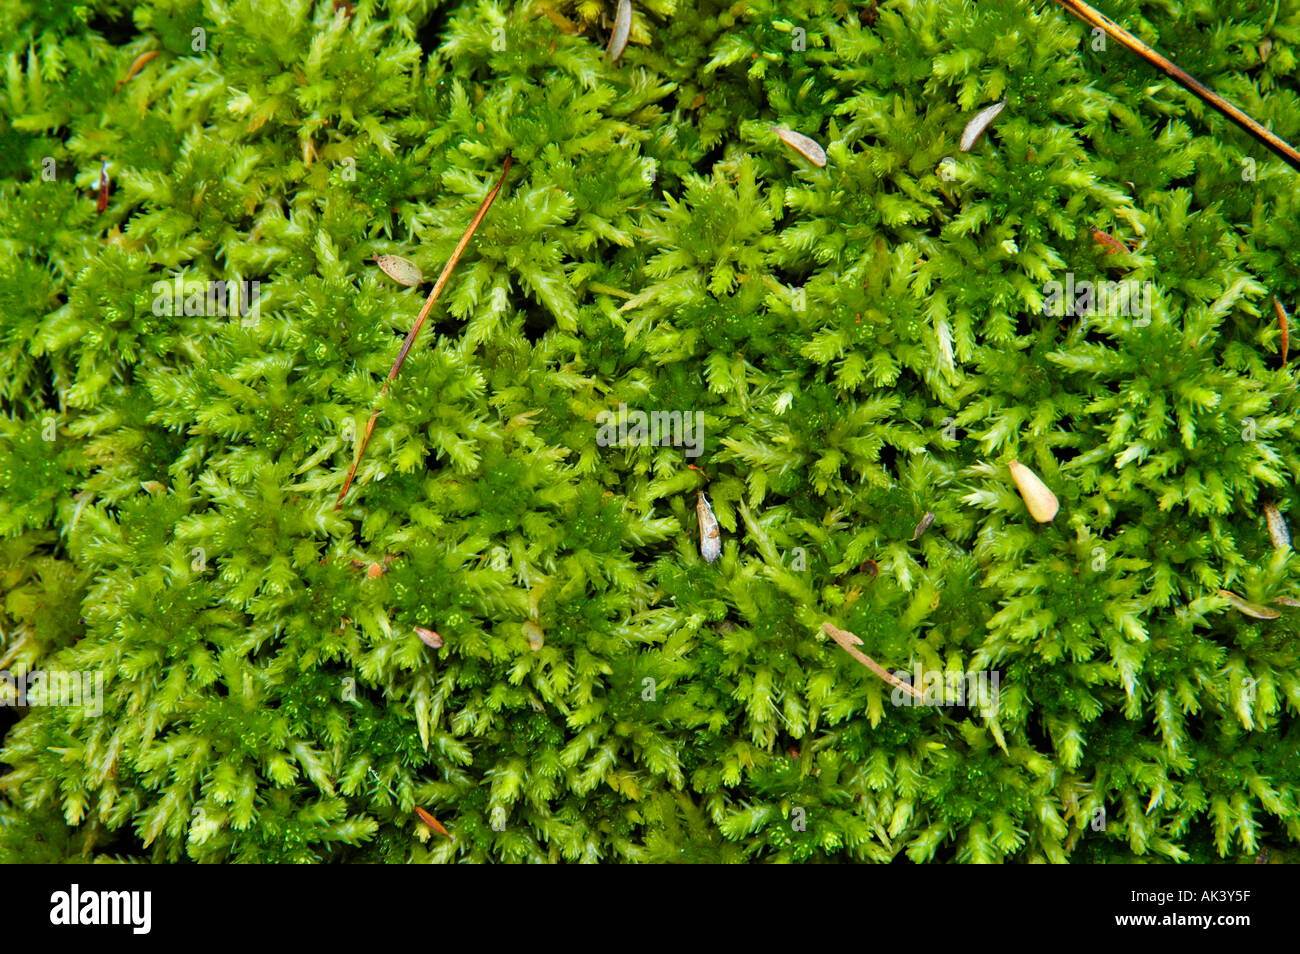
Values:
[(866, 342)]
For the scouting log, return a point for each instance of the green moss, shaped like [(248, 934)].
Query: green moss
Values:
[(866, 342)]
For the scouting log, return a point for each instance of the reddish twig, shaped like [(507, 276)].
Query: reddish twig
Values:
[(419, 324)]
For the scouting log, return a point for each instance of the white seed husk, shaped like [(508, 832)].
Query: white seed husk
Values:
[(1277, 529), (622, 29), (975, 128), (400, 270), (1042, 503), (808, 148), (1249, 608)]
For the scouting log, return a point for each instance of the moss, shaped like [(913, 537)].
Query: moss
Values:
[(866, 342)]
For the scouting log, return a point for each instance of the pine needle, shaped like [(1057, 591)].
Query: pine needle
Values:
[(419, 323), (849, 643), (1184, 79)]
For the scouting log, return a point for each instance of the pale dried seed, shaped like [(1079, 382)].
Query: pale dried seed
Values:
[(429, 637), (808, 148), (1249, 608), (401, 270), (534, 634), (923, 526), (710, 535), (1277, 529), (622, 29), (975, 128), (1042, 503)]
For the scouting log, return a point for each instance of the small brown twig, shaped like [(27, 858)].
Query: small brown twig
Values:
[(849, 643), (419, 323)]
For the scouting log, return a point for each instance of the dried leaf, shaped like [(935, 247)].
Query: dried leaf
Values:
[(710, 535), (140, 62), (1277, 529), (622, 29), (1112, 245), (102, 185), (1249, 608)]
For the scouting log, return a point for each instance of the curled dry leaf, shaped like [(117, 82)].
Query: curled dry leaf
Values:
[(1249, 608), (622, 29), (808, 148), (1042, 503), (140, 63), (710, 535), (564, 24), (1277, 528), (102, 185), (1112, 245), (401, 270), (429, 637), (975, 128)]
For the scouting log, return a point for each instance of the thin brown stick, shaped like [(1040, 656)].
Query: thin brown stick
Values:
[(849, 643), (1183, 78), (419, 323)]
